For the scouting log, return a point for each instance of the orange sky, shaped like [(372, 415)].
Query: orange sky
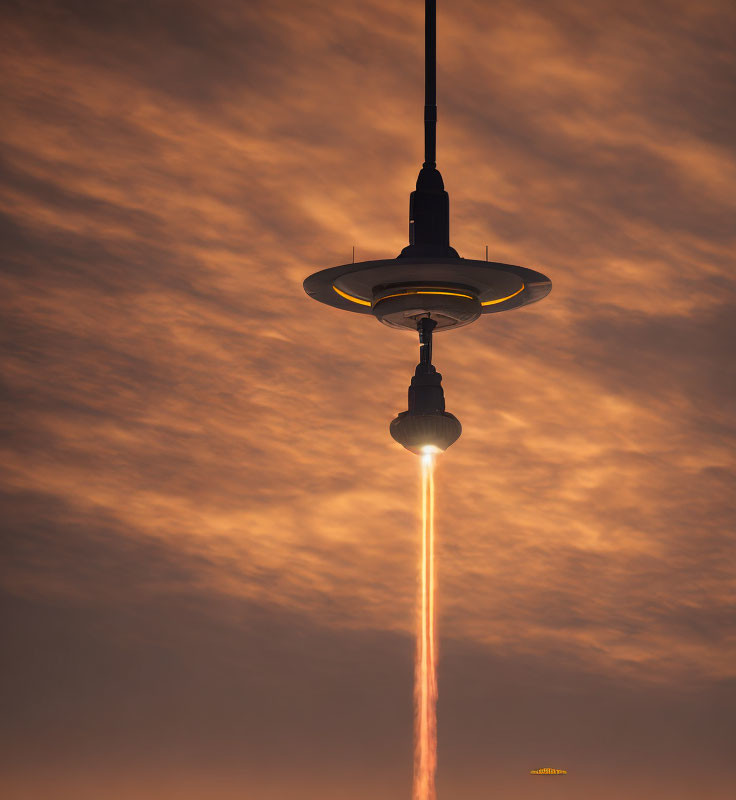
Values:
[(210, 539)]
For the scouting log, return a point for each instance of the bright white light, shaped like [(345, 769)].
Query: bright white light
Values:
[(429, 451)]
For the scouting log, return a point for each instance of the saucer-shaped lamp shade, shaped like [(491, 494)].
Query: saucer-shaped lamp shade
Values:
[(423, 433)]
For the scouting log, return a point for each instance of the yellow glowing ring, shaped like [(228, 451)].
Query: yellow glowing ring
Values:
[(351, 298), (503, 299), (426, 291), (361, 302)]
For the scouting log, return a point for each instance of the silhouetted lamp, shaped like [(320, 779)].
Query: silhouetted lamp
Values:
[(428, 281)]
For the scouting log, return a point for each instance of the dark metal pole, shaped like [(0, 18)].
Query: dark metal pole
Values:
[(429, 206), (425, 327), (430, 83)]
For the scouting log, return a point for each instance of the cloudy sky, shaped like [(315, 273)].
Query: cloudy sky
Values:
[(210, 539)]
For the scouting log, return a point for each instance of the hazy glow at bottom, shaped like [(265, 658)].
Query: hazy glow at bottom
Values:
[(425, 670)]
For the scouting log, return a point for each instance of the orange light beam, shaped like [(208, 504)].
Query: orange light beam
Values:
[(425, 691)]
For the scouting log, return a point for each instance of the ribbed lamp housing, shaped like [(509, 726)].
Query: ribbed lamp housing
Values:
[(417, 431)]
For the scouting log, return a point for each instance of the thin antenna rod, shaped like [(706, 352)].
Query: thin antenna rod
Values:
[(430, 83)]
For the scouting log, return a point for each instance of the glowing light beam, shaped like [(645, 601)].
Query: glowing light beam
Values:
[(425, 671)]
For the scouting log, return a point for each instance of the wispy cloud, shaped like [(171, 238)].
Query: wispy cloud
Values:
[(183, 422)]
